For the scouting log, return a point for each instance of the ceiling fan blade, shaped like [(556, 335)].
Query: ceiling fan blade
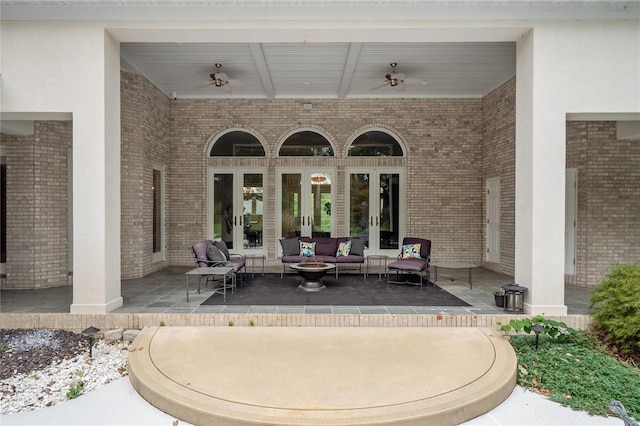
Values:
[(380, 86), (400, 87), (205, 86), (226, 88), (411, 80), (237, 83), (399, 76), (221, 76)]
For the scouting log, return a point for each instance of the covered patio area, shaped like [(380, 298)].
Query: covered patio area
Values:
[(165, 292)]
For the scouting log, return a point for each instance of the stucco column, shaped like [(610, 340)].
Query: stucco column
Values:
[(540, 175), (96, 196)]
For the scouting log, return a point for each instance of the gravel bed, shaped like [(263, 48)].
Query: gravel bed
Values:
[(38, 368)]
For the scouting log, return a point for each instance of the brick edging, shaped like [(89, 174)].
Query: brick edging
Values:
[(78, 322)]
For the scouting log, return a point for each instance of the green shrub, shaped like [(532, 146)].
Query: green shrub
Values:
[(551, 328), (617, 306), (75, 391), (577, 374)]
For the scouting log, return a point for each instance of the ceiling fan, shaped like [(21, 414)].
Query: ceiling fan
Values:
[(395, 80), (220, 79)]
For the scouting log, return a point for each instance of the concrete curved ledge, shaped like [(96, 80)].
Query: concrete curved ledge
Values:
[(322, 376)]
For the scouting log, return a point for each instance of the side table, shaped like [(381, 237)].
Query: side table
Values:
[(376, 259), (454, 265), (254, 258)]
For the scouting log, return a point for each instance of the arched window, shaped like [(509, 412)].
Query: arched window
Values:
[(237, 143), (375, 144), (306, 144)]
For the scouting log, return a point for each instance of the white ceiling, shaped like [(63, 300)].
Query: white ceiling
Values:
[(322, 70)]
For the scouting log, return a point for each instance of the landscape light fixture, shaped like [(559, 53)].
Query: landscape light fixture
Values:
[(617, 408), (537, 328), (91, 331)]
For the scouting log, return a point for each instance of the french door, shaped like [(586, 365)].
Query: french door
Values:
[(305, 197), (235, 208), (376, 208)]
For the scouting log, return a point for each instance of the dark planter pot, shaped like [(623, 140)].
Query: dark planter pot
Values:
[(499, 299)]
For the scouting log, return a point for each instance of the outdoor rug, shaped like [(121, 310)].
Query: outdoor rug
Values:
[(348, 289)]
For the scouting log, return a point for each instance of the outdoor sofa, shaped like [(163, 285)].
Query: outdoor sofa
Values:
[(297, 249)]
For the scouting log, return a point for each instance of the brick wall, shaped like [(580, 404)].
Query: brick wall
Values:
[(608, 198), (144, 145), (499, 160), (37, 197), (443, 139)]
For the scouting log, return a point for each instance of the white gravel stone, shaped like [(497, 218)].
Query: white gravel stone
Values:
[(49, 386), (34, 338)]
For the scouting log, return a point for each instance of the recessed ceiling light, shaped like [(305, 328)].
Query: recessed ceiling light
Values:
[(306, 83)]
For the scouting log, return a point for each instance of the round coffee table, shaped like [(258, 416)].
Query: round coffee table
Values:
[(312, 275)]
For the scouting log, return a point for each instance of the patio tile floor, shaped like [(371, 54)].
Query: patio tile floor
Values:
[(165, 291)]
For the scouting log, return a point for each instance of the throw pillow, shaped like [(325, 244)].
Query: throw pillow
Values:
[(215, 254), (411, 251), (307, 249), (222, 246), (290, 246), (357, 246), (344, 249)]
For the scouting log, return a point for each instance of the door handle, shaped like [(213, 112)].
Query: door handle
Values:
[(302, 220), (377, 220), (309, 220), (371, 220), (235, 220)]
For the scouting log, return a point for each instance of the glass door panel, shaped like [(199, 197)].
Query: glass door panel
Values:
[(291, 205), (320, 219), (223, 212), (389, 211), (252, 209)]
